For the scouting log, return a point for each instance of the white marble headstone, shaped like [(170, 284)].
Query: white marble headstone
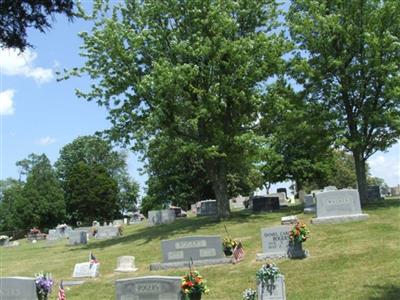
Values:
[(86, 270), (126, 264)]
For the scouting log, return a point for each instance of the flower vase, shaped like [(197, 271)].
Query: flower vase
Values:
[(195, 296), (228, 251), (296, 250)]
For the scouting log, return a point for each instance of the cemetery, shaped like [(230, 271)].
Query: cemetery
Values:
[(218, 150), (127, 263)]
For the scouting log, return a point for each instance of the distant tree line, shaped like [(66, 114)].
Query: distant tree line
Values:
[(88, 182)]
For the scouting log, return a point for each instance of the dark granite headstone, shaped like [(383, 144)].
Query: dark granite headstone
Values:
[(374, 193), (265, 203)]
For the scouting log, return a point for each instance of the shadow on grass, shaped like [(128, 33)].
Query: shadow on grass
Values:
[(188, 226), (383, 204), (384, 292)]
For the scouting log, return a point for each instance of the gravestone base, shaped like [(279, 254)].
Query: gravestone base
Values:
[(309, 210), (339, 219), (185, 264), (265, 256)]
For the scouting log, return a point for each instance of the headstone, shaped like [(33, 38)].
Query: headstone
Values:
[(118, 222), (330, 188), (64, 231), (238, 202), (149, 288), (104, 223), (4, 242), (207, 208), (107, 232), (204, 250), (17, 288), (95, 224), (86, 269), (193, 208), (53, 235), (374, 193), (125, 221), (273, 290), (282, 190), (126, 264), (157, 217), (77, 238), (289, 220), (302, 194), (282, 198), (309, 205), (265, 203), (338, 206), (276, 244)]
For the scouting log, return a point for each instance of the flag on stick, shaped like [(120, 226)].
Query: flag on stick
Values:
[(61, 292), (238, 252), (92, 259)]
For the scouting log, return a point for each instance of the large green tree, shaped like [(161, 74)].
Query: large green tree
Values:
[(190, 69), (42, 203), (90, 193), (349, 59), (300, 138), (94, 151)]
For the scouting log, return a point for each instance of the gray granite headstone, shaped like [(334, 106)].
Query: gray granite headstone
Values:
[(118, 222), (207, 208), (107, 232), (17, 288), (276, 244), (338, 206), (86, 270), (374, 193), (309, 205), (149, 288), (203, 250), (77, 238), (273, 290), (53, 235), (157, 217), (265, 203)]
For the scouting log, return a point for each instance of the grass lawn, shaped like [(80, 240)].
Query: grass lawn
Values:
[(359, 260)]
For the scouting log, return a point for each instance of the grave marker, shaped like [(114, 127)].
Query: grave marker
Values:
[(273, 291), (203, 250), (338, 206), (149, 288), (17, 288), (86, 269)]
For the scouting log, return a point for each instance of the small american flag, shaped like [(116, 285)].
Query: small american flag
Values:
[(238, 252), (92, 259), (61, 292)]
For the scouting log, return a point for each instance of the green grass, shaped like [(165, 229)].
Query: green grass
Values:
[(359, 260)]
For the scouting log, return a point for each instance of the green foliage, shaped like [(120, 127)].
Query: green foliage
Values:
[(300, 138), (93, 152), (18, 17), (38, 202), (91, 194), (348, 59), (189, 70)]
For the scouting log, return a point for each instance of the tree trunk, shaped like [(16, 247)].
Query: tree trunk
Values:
[(359, 162), (217, 170)]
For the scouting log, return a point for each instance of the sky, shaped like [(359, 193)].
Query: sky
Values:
[(40, 115)]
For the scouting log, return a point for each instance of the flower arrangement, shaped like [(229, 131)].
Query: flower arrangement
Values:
[(193, 285), (3, 237), (44, 283), (229, 244), (249, 294), (299, 233), (35, 230), (268, 273)]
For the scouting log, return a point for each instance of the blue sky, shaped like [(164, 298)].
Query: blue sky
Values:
[(41, 115)]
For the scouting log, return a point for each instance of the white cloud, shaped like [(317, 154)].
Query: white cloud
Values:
[(13, 62), (6, 102), (46, 141)]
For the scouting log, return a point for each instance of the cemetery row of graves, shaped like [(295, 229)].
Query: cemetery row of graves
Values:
[(187, 248)]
